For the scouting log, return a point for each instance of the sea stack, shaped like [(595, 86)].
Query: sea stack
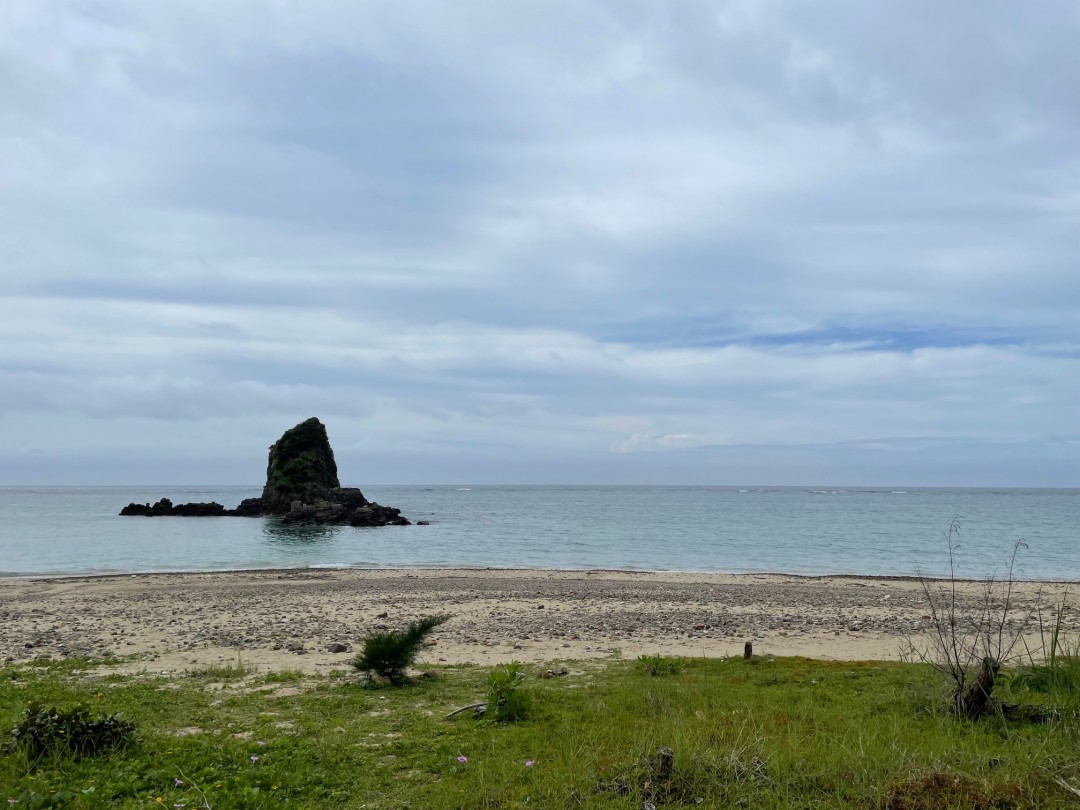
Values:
[(301, 467), (301, 487)]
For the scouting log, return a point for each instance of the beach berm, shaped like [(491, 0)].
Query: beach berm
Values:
[(292, 619)]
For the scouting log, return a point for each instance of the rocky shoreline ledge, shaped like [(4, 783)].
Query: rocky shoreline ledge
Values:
[(343, 506), (302, 486)]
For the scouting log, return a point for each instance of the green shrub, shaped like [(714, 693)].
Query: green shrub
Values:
[(507, 701), (70, 731), (656, 665), (390, 654)]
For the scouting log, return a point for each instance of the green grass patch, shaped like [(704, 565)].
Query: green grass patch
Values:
[(784, 733), (657, 665), (222, 672)]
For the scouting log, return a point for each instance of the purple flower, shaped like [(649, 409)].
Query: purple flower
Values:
[(254, 758), (261, 743), (462, 758), (528, 763), (178, 782)]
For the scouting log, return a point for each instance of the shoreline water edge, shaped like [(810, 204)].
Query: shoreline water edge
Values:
[(510, 569), (75, 531)]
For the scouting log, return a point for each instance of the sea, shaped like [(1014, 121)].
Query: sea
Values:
[(69, 531)]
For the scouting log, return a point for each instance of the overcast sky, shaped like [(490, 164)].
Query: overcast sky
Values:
[(555, 242)]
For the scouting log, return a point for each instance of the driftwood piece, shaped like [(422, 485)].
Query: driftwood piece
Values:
[(479, 708), (1066, 785)]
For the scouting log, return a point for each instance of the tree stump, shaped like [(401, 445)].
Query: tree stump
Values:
[(975, 700), (665, 765)]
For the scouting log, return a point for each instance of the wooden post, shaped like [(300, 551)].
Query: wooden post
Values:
[(748, 650)]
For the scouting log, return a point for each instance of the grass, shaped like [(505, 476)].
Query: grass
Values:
[(1060, 676), (657, 665), (221, 672), (785, 733), (1055, 666)]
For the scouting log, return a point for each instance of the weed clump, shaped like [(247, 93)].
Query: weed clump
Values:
[(507, 701), (655, 780), (1055, 669), (657, 665), (52, 731), (388, 655), (936, 790)]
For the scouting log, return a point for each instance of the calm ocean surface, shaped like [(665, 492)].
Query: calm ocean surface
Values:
[(76, 530)]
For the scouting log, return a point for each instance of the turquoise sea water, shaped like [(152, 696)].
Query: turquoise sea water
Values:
[(76, 530)]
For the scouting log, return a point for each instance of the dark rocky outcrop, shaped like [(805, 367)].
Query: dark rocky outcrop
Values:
[(301, 487), (165, 507), (344, 505)]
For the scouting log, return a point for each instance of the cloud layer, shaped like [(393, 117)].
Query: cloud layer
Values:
[(715, 242)]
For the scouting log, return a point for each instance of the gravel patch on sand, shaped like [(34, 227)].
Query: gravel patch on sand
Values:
[(287, 620)]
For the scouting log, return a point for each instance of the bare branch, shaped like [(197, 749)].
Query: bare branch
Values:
[(969, 642)]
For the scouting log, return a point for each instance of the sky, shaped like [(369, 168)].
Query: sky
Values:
[(616, 242)]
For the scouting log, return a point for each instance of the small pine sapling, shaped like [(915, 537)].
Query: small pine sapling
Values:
[(390, 654)]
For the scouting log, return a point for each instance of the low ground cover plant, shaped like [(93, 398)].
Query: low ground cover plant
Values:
[(51, 731), (657, 665), (731, 733), (507, 699)]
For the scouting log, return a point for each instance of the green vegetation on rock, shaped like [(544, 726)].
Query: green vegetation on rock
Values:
[(301, 465)]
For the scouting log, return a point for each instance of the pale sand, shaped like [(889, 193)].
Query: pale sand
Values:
[(177, 622)]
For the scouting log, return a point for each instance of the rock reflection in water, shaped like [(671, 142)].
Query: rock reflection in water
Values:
[(299, 534)]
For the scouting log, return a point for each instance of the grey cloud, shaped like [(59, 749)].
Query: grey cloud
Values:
[(543, 229)]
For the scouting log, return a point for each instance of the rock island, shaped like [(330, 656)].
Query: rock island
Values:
[(301, 487)]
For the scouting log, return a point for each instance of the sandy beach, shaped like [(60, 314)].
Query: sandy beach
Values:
[(289, 620)]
